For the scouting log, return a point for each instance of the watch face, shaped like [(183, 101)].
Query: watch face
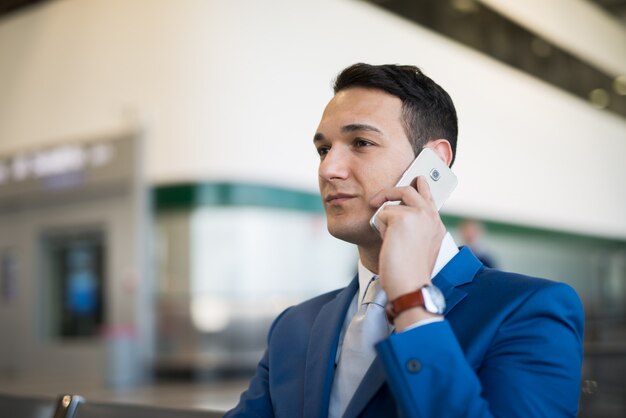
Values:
[(434, 302)]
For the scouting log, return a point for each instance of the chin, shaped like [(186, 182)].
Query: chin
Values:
[(358, 233)]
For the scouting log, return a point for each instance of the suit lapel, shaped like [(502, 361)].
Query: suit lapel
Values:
[(371, 383), (320, 359), (460, 270)]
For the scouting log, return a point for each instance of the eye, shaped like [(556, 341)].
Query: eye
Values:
[(323, 150), (362, 143)]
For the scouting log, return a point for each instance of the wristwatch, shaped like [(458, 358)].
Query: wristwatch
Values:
[(428, 297)]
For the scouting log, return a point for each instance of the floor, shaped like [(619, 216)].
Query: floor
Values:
[(211, 394)]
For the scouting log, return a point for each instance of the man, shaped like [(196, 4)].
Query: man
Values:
[(506, 345), (472, 233)]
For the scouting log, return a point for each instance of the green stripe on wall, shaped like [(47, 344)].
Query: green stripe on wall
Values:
[(192, 195), (570, 238)]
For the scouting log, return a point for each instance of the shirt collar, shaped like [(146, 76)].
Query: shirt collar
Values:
[(364, 278), (447, 251)]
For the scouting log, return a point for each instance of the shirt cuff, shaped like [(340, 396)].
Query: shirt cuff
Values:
[(422, 323)]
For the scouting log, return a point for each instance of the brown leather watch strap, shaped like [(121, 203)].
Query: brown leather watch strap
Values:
[(402, 303)]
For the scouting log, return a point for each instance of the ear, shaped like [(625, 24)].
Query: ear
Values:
[(442, 148)]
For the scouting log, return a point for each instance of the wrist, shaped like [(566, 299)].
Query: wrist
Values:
[(408, 286), (412, 316), (423, 303)]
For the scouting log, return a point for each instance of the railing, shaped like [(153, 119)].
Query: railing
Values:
[(74, 406)]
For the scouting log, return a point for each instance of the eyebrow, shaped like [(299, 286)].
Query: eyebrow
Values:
[(360, 127), (353, 127)]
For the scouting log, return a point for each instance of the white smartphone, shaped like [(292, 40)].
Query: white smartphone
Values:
[(440, 178)]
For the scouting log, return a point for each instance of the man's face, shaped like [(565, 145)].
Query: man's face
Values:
[(363, 148)]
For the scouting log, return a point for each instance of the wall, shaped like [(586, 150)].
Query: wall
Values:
[(234, 90)]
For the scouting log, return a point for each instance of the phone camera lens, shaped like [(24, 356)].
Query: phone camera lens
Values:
[(434, 174)]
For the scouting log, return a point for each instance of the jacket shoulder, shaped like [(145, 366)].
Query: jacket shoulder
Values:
[(496, 297), (515, 285)]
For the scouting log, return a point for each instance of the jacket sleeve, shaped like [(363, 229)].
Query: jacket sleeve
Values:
[(256, 401), (530, 367)]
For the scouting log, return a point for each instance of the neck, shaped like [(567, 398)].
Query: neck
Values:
[(369, 257)]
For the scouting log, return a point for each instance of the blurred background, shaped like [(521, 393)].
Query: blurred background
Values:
[(158, 186)]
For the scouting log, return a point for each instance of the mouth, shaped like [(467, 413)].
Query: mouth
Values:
[(337, 198)]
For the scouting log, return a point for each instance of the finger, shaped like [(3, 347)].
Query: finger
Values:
[(423, 188), (382, 219), (389, 212), (389, 215), (407, 195)]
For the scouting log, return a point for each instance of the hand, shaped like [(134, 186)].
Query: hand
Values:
[(412, 234)]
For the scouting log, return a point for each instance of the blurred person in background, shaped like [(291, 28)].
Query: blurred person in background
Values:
[(473, 233), (457, 339)]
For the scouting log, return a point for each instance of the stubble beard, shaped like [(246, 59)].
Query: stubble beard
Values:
[(356, 231)]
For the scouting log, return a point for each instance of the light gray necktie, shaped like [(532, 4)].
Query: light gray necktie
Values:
[(368, 326)]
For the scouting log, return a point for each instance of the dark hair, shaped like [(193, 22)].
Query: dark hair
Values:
[(427, 110)]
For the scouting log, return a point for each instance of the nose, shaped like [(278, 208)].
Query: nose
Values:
[(334, 165)]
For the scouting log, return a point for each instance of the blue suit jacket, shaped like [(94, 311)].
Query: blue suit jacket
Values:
[(511, 346)]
